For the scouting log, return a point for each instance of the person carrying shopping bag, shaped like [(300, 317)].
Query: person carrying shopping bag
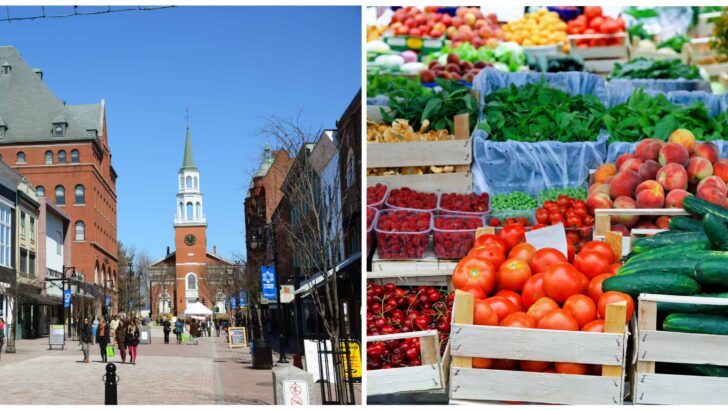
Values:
[(103, 338), (121, 339), (132, 340), (86, 338), (179, 329), (167, 327)]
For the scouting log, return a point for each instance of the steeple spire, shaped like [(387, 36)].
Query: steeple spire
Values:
[(188, 162)]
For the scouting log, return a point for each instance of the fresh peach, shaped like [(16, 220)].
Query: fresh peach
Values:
[(648, 149), (672, 152), (632, 164), (645, 224), (648, 170), (620, 228), (712, 194), (720, 169), (663, 222), (713, 181), (699, 168), (625, 202), (594, 188), (707, 150), (599, 200), (624, 184), (675, 197), (683, 137), (672, 176), (649, 185), (604, 172), (651, 199), (620, 159)]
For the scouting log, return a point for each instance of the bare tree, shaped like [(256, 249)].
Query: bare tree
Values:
[(161, 278), (314, 232)]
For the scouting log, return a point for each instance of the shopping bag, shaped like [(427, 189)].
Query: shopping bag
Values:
[(110, 352), (184, 338)]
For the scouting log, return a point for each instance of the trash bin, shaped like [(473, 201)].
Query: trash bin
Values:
[(262, 354)]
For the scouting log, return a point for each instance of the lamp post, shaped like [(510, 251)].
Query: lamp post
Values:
[(128, 279), (281, 325), (262, 352)]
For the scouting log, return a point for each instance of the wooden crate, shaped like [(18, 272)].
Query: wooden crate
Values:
[(673, 347), (620, 51), (603, 67), (432, 375), (457, 152), (468, 341), (602, 222), (700, 49), (704, 28)]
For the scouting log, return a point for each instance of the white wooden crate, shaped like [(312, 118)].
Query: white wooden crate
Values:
[(432, 375), (468, 341), (602, 223), (673, 347)]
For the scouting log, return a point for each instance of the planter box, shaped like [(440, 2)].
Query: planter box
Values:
[(673, 347), (468, 341), (599, 52), (432, 375)]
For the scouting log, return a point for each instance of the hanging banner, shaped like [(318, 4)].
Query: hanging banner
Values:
[(243, 299), (233, 303), (108, 300), (268, 282), (67, 298)]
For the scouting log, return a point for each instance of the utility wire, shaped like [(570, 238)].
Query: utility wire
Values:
[(77, 13)]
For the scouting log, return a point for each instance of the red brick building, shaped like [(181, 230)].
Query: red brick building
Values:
[(64, 151)]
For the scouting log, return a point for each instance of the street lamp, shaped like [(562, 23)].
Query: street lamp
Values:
[(281, 325), (128, 279)]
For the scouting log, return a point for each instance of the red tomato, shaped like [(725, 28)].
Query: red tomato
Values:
[(476, 292), (582, 308), (519, 319), (595, 286), (592, 11), (584, 283), (505, 364), (609, 27), (613, 297), (522, 251), (542, 307), (482, 363), (543, 258), (514, 297), (532, 290), (488, 240), (620, 24), (490, 253), (560, 281), (474, 272), (601, 248), (570, 251), (483, 314), (542, 215), (558, 319), (502, 306), (512, 235), (614, 268), (595, 23), (573, 221), (572, 368), (533, 365), (538, 226), (513, 274), (555, 218), (591, 263), (594, 326), (573, 236)]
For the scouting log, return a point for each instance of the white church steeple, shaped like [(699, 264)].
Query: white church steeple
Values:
[(190, 209)]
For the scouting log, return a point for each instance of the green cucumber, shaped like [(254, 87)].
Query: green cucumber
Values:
[(699, 207), (684, 264), (717, 231), (705, 370), (669, 284), (695, 323), (685, 223), (679, 249), (673, 307), (652, 242), (712, 272)]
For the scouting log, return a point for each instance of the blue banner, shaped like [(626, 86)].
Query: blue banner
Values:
[(233, 303), (67, 298), (268, 282), (108, 300), (243, 299)]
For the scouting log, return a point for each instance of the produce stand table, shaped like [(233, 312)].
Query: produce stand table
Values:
[(674, 347), (468, 341)]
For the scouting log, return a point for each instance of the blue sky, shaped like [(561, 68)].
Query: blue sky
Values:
[(231, 65)]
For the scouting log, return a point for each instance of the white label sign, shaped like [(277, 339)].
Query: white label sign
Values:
[(287, 294), (295, 393), (552, 236)]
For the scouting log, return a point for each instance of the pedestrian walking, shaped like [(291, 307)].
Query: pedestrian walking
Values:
[(209, 327), (179, 328), (203, 327), (103, 338), (2, 335), (114, 325), (132, 340), (121, 339), (194, 330), (167, 327), (217, 327), (86, 338)]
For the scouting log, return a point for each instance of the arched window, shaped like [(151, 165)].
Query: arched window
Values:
[(60, 195), (96, 274), (181, 210), (198, 210), (61, 157), (40, 190), (189, 181), (20, 158), (80, 231), (74, 156), (49, 157), (191, 281), (80, 194), (195, 182), (189, 210)]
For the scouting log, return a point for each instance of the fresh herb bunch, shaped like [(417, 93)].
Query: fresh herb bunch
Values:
[(438, 108), (513, 201), (552, 194), (537, 112), (644, 116), (638, 30), (655, 69), (386, 84), (675, 42)]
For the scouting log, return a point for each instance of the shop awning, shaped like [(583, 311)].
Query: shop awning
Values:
[(37, 299), (318, 278)]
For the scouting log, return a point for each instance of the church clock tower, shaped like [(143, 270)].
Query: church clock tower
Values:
[(190, 227)]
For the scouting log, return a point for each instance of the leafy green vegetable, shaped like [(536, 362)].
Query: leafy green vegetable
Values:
[(438, 108), (675, 42), (644, 116), (386, 84), (639, 14), (638, 30), (655, 69), (537, 112)]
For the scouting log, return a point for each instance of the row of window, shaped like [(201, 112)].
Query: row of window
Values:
[(23, 224), (79, 191), (189, 215), (20, 157), (188, 182)]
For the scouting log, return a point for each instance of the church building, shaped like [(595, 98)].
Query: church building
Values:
[(189, 273)]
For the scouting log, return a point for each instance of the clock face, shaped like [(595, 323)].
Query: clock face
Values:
[(190, 239)]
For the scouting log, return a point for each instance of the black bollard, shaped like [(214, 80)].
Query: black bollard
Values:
[(110, 379)]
